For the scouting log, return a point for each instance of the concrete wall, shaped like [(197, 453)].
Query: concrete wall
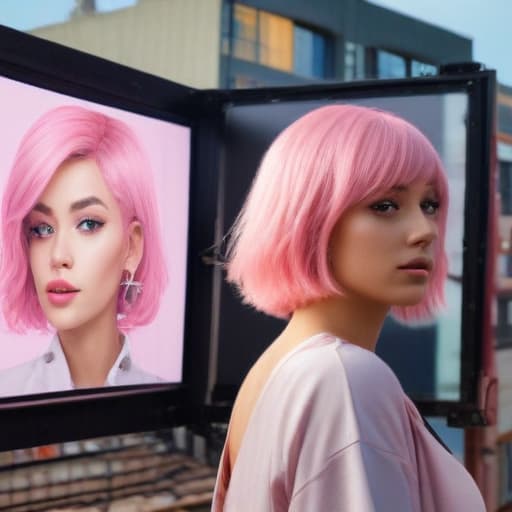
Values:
[(175, 39)]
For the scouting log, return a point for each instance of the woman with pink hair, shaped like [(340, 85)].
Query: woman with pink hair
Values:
[(81, 253), (344, 223)]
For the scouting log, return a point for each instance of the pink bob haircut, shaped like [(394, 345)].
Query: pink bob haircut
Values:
[(61, 134), (322, 164)]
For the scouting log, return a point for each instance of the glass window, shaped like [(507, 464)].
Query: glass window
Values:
[(506, 473), (244, 81), (505, 118), (390, 65), (276, 41), (309, 53), (354, 61), (245, 41), (505, 265), (506, 187), (225, 24), (504, 324), (422, 68)]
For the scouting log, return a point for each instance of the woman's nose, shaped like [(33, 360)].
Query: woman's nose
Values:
[(423, 229), (61, 256)]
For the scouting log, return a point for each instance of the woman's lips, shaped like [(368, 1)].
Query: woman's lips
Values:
[(61, 298), (419, 272), (418, 267), (60, 292)]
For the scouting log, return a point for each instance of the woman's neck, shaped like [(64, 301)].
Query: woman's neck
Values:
[(90, 352), (346, 317)]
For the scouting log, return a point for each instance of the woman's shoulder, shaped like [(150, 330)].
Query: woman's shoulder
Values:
[(14, 380), (336, 383), (327, 360)]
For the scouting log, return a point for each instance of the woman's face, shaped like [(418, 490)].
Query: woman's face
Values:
[(78, 247), (381, 250)]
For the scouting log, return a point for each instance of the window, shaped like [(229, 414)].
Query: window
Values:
[(245, 41), (390, 65), (244, 81), (506, 187), (422, 68), (354, 61), (309, 53), (274, 41), (505, 265), (380, 63), (505, 453), (504, 321)]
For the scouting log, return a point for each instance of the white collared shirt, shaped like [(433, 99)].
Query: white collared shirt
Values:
[(50, 372)]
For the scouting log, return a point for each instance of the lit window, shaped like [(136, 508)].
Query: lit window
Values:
[(243, 82), (245, 42), (273, 41), (276, 41)]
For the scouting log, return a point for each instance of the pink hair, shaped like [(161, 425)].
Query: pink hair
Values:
[(317, 168), (63, 133)]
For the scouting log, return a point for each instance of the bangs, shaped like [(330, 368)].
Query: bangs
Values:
[(396, 154)]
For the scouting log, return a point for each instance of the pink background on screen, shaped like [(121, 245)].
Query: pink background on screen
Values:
[(158, 347)]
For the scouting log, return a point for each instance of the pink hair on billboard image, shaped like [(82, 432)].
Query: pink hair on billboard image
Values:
[(157, 347)]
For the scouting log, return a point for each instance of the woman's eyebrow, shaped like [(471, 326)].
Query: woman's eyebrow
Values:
[(87, 201), (41, 207), (77, 205)]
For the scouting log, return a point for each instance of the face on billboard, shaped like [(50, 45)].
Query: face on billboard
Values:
[(96, 264), (79, 248)]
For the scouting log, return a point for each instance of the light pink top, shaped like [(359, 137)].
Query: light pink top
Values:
[(332, 430)]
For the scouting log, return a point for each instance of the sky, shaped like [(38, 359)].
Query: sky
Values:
[(29, 14), (487, 22)]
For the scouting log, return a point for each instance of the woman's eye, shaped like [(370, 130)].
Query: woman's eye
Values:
[(42, 230), (430, 206), (384, 206), (90, 225)]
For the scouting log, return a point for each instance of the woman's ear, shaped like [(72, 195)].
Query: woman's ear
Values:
[(135, 248)]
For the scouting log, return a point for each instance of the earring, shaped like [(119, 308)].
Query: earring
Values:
[(133, 288)]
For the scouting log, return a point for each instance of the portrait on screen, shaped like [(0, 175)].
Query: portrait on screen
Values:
[(93, 243)]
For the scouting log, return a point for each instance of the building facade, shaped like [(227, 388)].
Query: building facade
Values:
[(223, 43)]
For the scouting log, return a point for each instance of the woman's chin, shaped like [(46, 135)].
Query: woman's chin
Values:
[(408, 300)]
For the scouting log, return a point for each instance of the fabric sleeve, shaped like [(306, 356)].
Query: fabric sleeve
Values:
[(359, 478)]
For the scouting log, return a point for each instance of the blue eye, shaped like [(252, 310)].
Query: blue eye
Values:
[(42, 230), (384, 206), (430, 206), (90, 225)]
